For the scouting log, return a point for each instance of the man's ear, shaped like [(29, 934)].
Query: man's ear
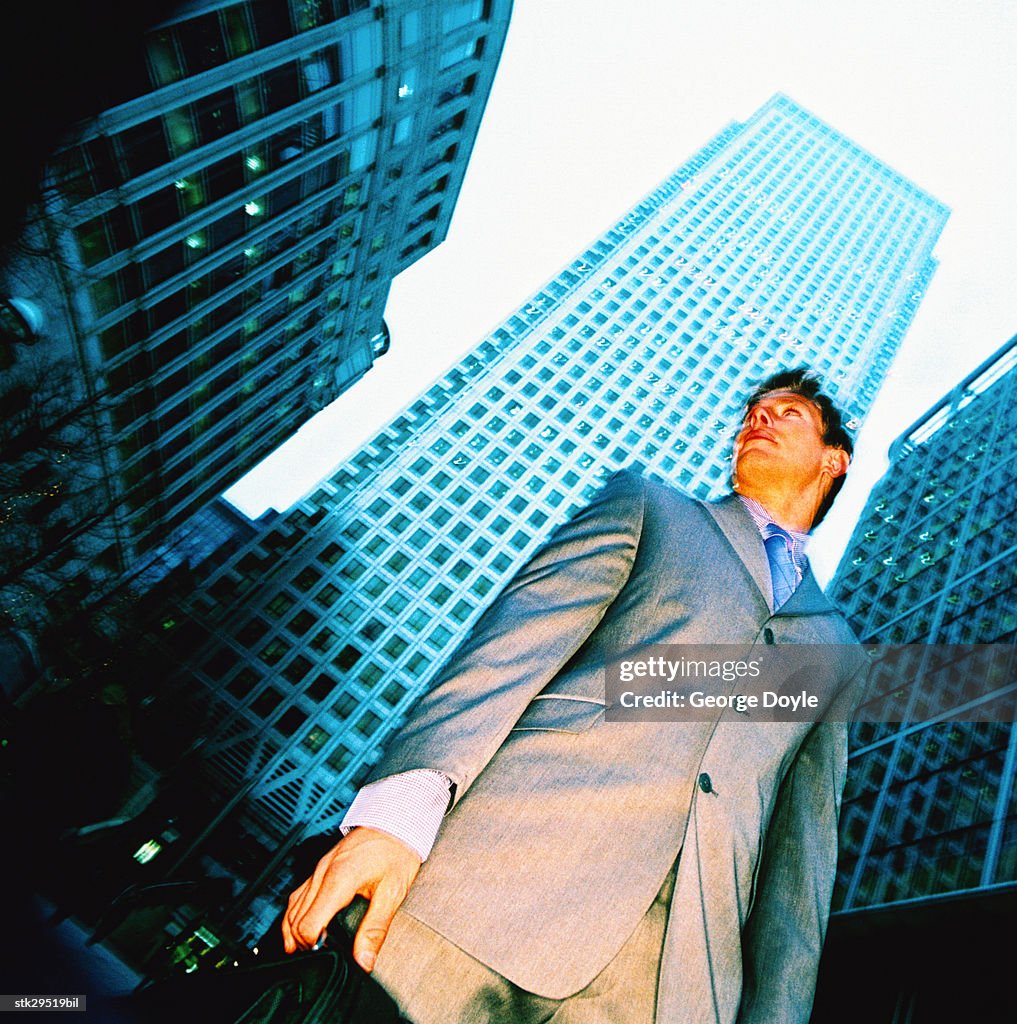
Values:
[(836, 462)]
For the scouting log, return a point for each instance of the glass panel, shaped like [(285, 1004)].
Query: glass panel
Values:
[(104, 295), (362, 151), (93, 242), (191, 191), (409, 30), (462, 14), (271, 22), (216, 115), (237, 31), (104, 172), (163, 60), (144, 147), (365, 104), (321, 70), (249, 100), (179, 130), (457, 54), (408, 85), (202, 44), (403, 129), (225, 177), (307, 14), (164, 264), (361, 49), (281, 87), (157, 211)]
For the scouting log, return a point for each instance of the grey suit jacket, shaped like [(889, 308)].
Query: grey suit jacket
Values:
[(565, 824)]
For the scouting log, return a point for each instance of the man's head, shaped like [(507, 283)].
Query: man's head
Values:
[(792, 441)]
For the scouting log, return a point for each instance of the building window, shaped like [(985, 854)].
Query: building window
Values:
[(409, 29), (461, 14)]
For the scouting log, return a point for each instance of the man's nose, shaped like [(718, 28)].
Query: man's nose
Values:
[(758, 416)]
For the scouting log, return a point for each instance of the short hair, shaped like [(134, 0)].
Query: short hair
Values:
[(803, 381)]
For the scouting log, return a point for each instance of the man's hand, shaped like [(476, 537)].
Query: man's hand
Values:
[(365, 863)]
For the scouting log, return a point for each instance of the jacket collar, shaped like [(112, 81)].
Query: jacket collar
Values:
[(740, 531)]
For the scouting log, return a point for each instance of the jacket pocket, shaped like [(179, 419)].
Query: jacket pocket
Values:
[(555, 713)]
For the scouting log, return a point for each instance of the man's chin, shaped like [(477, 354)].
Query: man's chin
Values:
[(755, 472)]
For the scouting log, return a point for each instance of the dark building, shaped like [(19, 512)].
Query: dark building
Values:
[(928, 875), (214, 254)]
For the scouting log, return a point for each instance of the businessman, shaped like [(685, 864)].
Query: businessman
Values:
[(588, 870)]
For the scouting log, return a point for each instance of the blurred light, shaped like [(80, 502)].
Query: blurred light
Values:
[(144, 853), (254, 163), (252, 209)]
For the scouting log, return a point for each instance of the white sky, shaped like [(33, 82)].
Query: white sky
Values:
[(595, 102)]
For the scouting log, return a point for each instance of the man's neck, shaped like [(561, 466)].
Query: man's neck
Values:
[(790, 513)]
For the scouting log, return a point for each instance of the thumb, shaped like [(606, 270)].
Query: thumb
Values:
[(374, 928)]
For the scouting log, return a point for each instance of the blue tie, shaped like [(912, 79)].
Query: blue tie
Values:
[(782, 568)]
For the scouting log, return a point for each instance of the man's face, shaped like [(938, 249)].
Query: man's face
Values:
[(781, 442)]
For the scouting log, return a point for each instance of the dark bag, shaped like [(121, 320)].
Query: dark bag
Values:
[(325, 987)]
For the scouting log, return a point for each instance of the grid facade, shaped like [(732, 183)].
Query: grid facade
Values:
[(931, 808), (778, 242), (226, 239)]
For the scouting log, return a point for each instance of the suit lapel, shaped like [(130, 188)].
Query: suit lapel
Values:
[(807, 599), (737, 526), (741, 533)]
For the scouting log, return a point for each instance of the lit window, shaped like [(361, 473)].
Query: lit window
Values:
[(408, 86), (403, 130)]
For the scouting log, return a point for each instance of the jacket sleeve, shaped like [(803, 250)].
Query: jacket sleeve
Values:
[(518, 645), (783, 937)]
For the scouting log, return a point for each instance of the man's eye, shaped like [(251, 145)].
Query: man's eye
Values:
[(792, 411)]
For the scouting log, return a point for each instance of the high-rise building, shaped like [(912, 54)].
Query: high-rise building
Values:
[(929, 824), (779, 242), (224, 240)]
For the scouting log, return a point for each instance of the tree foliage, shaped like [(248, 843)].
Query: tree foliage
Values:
[(56, 509)]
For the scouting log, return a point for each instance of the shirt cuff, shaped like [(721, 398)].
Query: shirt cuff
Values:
[(409, 806)]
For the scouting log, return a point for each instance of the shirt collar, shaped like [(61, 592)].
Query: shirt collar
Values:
[(762, 518)]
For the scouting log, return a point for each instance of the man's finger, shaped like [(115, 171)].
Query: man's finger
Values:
[(303, 898), (371, 934), (330, 897), (292, 915), (299, 910)]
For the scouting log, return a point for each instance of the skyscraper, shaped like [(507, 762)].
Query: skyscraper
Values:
[(223, 242), (928, 832), (778, 242)]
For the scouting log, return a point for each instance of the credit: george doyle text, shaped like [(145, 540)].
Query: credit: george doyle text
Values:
[(701, 682)]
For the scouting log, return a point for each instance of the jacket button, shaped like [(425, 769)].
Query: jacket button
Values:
[(705, 783), (767, 635)]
